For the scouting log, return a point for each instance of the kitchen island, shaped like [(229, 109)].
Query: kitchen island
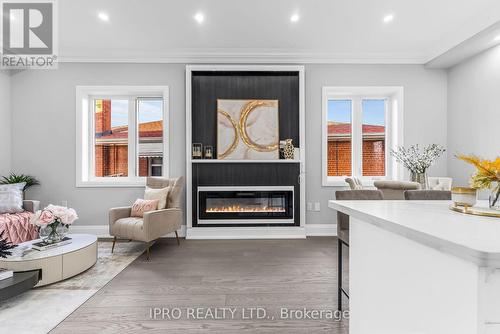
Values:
[(418, 267)]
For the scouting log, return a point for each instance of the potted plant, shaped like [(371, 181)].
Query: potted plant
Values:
[(5, 246), (418, 161), (54, 222), (20, 178), (487, 176)]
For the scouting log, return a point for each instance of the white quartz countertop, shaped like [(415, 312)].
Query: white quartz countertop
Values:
[(432, 223)]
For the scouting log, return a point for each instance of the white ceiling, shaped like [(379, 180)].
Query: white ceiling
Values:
[(344, 31)]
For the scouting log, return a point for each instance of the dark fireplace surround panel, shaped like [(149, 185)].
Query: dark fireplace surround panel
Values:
[(206, 88)]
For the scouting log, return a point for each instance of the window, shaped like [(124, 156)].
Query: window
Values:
[(359, 125), (150, 119), (121, 135), (373, 136)]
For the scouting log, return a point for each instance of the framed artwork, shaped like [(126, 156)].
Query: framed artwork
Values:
[(247, 129)]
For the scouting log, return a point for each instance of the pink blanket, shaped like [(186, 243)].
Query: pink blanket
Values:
[(17, 227)]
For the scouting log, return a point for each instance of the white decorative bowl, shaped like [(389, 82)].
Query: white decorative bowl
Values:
[(464, 196)]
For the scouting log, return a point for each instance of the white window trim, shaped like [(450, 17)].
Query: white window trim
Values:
[(394, 136), (85, 141)]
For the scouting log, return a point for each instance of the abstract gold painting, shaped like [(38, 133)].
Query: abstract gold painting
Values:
[(247, 129)]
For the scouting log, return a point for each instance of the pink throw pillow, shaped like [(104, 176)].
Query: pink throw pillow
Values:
[(142, 206)]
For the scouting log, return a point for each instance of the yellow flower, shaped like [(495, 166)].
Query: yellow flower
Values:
[(488, 171)]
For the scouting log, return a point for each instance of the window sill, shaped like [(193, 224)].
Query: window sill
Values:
[(129, 183), (335, 182)]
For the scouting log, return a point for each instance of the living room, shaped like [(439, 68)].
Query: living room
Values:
[(210, 157)]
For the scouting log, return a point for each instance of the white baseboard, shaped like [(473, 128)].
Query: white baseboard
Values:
[(321, 230), (102, 231), (310, 230)]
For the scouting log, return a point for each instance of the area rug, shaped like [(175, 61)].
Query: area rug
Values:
[(41, 309)]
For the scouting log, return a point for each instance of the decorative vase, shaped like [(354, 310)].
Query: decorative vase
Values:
[(494, 199), (288, 150), (53, 233), (420, 178)]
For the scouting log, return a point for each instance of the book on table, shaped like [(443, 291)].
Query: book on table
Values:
[(43, 245), (5, 273)]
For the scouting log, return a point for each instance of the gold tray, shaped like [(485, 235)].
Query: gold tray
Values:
[(476, 211)]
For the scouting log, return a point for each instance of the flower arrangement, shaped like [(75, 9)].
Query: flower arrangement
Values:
[(487, 176), (55, 219), (417, 161)]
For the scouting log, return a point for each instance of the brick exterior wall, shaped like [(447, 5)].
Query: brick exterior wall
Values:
[(339, 158), (373, 157), (103, 117), (111, 160), (143, 166)]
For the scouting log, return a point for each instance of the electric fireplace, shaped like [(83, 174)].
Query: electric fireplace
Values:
[(221, 205)]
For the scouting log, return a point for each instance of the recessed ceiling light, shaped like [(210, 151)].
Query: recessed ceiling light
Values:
[(388, 18), (497, 39), (199, 17), (294, 18), (103, 16)]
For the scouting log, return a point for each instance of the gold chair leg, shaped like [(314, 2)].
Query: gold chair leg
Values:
[(113, 247), (177, 236)]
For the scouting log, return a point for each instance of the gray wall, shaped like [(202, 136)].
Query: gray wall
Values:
[(5, 126), (43, 120), (424, 115), (473, 111)]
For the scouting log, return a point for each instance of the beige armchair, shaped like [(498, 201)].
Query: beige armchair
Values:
[(154, 224), (440, 183), (395, 190)]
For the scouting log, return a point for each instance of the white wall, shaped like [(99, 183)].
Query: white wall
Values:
[(473, 111), (5, 126), (44, 121)]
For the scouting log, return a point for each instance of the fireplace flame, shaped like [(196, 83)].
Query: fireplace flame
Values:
[(244, 209)]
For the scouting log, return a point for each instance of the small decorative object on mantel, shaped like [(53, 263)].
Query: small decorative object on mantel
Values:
[(417, 162), (197, 151), (287, 149), (54, 222), (463, 196), (487, 176), (5, 246), (209, 152)]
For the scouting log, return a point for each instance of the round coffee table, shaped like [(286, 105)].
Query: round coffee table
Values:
[(58, 263)]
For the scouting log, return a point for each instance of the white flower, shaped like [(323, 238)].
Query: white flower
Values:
[(416, 161), (68, 217), (65, 215), (35, 218)]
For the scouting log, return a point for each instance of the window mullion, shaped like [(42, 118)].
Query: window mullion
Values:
[(132, 136), (357, 137), (388, 139)]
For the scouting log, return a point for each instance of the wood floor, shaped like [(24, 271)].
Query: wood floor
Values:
[(210, 274)]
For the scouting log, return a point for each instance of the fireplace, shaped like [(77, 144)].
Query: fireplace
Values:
[(229, 205)]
